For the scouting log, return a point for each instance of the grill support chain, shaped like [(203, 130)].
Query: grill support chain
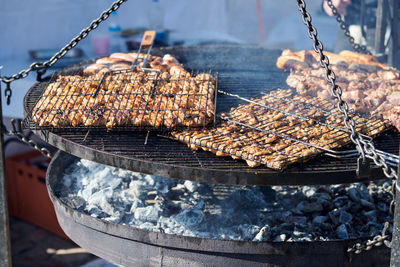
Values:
[(41, 67), (343, 25), (365, 147), (18, 133)]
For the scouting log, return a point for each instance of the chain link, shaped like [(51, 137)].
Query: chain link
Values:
[(83, 34), (357, 47), (8, 93), (16, 131), (365, 147), (41, 67), (377, 241)]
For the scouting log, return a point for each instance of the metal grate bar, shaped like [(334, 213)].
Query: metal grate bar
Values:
[(294, 114), (241, 70), (332, 109), (279, 135)]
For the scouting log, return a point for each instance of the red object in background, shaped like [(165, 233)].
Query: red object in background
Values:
[(27, 193)]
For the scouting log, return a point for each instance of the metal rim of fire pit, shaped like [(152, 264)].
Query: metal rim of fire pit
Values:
[(113, 241), (203, 166)]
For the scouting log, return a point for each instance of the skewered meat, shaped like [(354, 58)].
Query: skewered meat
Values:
[(277, 129)]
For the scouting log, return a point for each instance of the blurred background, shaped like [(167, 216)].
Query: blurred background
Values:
[(34, 30), (44, 24)]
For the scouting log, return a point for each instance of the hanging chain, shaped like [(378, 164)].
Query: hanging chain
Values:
[(16, 131), (376, 241), (357, 47), (41, 67), (383, 238), (8, 93), (365, 147), (36, 66)]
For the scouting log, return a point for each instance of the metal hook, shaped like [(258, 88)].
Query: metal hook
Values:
[(8, 93), (363, 167), (39, 75)]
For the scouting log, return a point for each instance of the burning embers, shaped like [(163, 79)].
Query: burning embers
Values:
[(278, 213)]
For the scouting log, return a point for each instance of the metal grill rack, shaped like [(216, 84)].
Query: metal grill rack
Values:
[(133, 99), (278, 129), (242, 70)]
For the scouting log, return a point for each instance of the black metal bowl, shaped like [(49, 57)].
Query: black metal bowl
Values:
[(131, 246)]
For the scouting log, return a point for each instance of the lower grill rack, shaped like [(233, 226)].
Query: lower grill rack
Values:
[(127, 99), (278, 129)]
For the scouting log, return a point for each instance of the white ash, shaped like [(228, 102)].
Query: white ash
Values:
[(277, 213)]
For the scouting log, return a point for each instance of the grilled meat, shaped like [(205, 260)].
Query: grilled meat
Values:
[(116, 95), (278, 129), (369, 87)]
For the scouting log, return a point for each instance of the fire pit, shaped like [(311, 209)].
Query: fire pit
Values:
[(116, 241), (245, 71)]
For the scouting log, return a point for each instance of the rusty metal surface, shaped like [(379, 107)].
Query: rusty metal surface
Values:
[(242, 70), (115, 242)]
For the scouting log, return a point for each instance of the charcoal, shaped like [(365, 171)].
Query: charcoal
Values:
[(307, 207), (354, 194), (190, 186), (341, 232), (190, 217), (280, 238), (334, 215), (344, 217), (381, 206), (371, 215), (274, 213), (367, 204), (318, 220), (149, 214), (299, 220), (264, 234)]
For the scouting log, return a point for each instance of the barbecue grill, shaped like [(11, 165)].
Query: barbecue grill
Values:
[(243, 70), (243, 76)]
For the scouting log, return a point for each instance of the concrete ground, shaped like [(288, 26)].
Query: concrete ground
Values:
[(33, 246)]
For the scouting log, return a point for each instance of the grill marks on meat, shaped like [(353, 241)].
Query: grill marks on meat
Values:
[(128, 98), (369, 87), (278, 134)]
